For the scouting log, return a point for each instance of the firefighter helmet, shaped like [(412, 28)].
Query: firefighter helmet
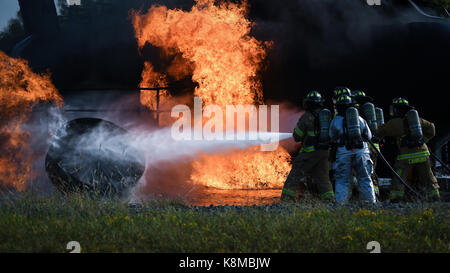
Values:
[(344, 100), (399, 107), (314, 96), (400, 101), (313, 100), (342, 103), (360, 97), (339, 91)]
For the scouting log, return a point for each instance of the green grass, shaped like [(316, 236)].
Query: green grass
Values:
[(46, 224)]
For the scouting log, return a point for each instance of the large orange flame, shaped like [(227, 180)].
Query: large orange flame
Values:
[(20, 90), (215, 42), (248, 169), (216, 39)]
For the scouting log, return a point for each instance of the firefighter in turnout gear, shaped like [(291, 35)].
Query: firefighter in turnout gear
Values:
[(366, 110), (337, 92), (312, 159), (411, 133), (347, 131)]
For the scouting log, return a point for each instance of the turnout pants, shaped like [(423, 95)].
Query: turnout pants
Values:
[(314, 164), (363, 166), (422, 171)]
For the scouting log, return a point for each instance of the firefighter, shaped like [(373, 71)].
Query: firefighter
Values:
[(411, 133), (368, 114), (348, 131), (313, 158), (338, 91)]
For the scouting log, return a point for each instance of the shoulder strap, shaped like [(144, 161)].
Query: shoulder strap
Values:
[(316, 121), (343, 140)]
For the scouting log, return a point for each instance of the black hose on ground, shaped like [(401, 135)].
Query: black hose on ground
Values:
[(394, 172)]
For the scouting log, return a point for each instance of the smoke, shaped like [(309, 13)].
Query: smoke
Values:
[(320, 44), (167, 162), (317, 44), (45, 126), (325, 29)]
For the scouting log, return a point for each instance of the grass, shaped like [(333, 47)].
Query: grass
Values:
[(46, 224)]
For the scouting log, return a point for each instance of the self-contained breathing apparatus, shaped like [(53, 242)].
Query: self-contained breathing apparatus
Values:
[(323, 141), (352, 138), (312, 102), (380, 116), (414, 135), (368, 110)]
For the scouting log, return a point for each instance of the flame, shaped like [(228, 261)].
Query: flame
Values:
[(216, 39), (20, 90), (248, 169), (151, 78), (214, 42)]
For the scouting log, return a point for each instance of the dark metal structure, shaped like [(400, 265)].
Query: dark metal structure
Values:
[(157, 111), (39, 16)]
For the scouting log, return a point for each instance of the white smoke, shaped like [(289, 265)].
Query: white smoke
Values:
[(158, 145), (140, 144)]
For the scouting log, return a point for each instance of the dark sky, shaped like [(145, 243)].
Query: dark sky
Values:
[(8, 10)]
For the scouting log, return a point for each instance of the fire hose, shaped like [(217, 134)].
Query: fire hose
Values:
[(440, 161), (393, 171)]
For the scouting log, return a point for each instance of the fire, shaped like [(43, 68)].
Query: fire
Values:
[(216, 39), (215, 45), (20, 90), (152, 78), (248, 169)]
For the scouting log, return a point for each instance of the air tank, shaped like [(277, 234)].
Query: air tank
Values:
[(380, 116), (353, 127), (415, 128), (325, 120), (370, 115)]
